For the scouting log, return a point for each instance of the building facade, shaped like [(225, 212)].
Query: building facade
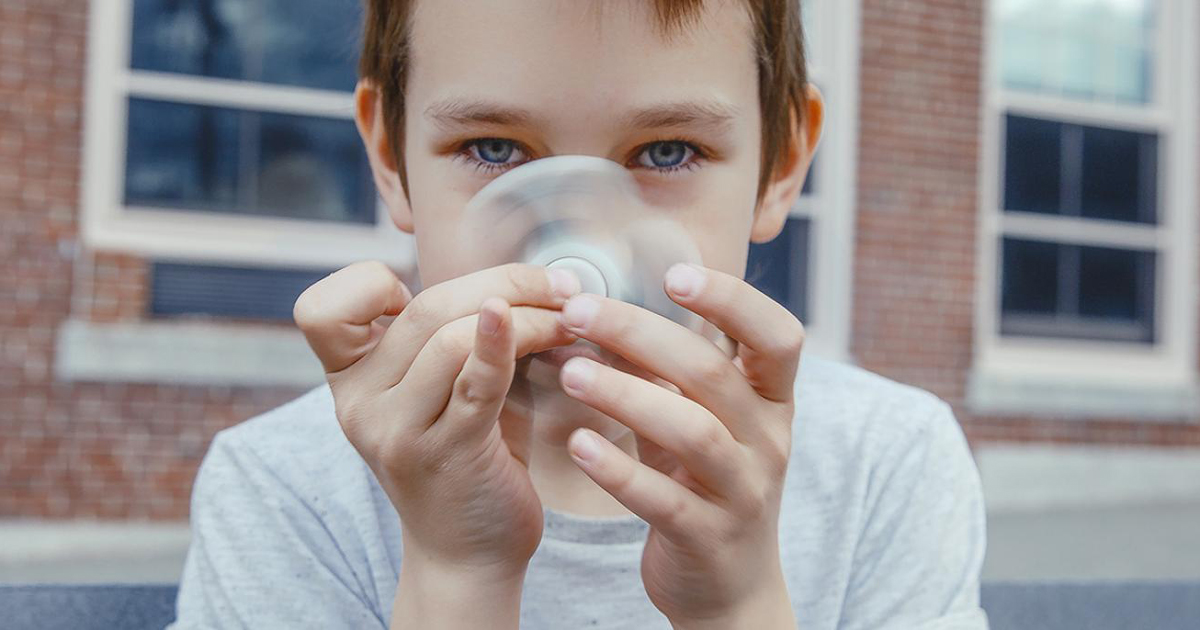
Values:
[(1003, 211)]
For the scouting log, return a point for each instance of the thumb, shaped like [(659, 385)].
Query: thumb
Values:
[(337, 314)]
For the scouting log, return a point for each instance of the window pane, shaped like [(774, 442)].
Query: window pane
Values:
[(1033, 165), (810, 179), (224, 160), (1088, 49), (308, 43), (780, 268), (1114, 282), (1075, 170), (182, 155), (1082, 292), (1030, 277), (179, 289), (1120, 175)]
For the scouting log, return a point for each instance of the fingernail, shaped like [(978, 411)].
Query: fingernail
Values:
[(685, 280), (563, 283), (580, 311), (583, 446), (577, 374), (489, 321)]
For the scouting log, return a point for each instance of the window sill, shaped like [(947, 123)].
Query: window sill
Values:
[(188, 353), (1035, 394)]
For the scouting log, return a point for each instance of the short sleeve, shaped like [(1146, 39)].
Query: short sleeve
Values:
[(260, 557), (919, 557)]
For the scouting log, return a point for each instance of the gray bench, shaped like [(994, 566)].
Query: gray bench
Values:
[(1092, 606)]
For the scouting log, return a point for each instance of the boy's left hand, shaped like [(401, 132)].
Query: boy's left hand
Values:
[(714, 455)]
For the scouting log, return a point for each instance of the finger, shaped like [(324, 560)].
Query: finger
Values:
[(680, 356), (426, 388), (481, 386), (661, 501), (337, 313), (769, 335), (445, 302), (685, 429)]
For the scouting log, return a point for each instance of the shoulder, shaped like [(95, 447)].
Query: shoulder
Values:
[(861, 441), (841, 404), (301, 422), (296, 449)]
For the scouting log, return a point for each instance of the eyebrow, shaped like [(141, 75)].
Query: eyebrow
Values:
[(462, 112), (712, 114)]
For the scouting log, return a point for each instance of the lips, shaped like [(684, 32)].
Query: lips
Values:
[(558, 356)]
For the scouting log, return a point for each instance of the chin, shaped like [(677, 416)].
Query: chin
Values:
[(555, 414)]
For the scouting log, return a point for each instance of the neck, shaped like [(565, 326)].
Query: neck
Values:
[(561, 484)]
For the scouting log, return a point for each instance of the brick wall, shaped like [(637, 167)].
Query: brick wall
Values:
[(131, 450), (920, 122), (87, 449)]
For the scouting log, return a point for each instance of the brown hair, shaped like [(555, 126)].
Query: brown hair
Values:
[(779, 50)]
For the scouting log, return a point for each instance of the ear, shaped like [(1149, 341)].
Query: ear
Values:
[(781, 193), (368, 116)]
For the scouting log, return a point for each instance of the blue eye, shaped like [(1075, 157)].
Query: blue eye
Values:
[(494, 151), (668, 154)]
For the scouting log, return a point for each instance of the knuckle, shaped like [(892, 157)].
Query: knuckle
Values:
[(711, 373), (420, 314), (353, 414), (311, 310), (522, 278), (473, 395), (777, 452), (676, 513), (757, 502), (378, 278), (624, 480), (707, 441), (791, 342), (447, 342), (306, 311)]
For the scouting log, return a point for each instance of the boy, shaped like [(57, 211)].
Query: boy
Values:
[(708, 486)]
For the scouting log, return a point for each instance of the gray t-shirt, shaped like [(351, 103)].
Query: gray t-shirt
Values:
[(882, 524)]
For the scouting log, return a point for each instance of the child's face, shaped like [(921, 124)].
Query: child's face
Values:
[(536, 78), (573, 76)]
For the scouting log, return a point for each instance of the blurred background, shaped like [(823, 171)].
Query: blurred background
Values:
[(1003, 211)]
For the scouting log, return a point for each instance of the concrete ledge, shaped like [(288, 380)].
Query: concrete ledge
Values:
[(192, 353), (80, 552), (1026, 478), (989, 393)]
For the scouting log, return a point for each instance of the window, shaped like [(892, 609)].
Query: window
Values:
[(1087, 219), (807, 267), (221, 131)]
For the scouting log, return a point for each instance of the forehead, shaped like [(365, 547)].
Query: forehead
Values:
[(582, 59)]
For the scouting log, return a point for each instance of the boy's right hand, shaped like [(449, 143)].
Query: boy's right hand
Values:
[(421, 399)]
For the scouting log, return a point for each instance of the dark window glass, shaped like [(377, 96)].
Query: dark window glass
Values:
[(1073, 291), (1080, 171), (780, 268), (810, 180), (1030, 277), (180, 289), (1120, 175), (224, 160), (307, 43), (1114, 283), (182, 155), (1033, 166)]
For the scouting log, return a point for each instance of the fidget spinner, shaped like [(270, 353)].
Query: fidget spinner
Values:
[(583, 214)]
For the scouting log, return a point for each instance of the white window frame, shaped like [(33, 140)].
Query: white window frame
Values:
[(834, 65), (1088, 378), (159, 233)]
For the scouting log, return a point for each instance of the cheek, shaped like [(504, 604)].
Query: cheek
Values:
[(437, 211), (718, 215)]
